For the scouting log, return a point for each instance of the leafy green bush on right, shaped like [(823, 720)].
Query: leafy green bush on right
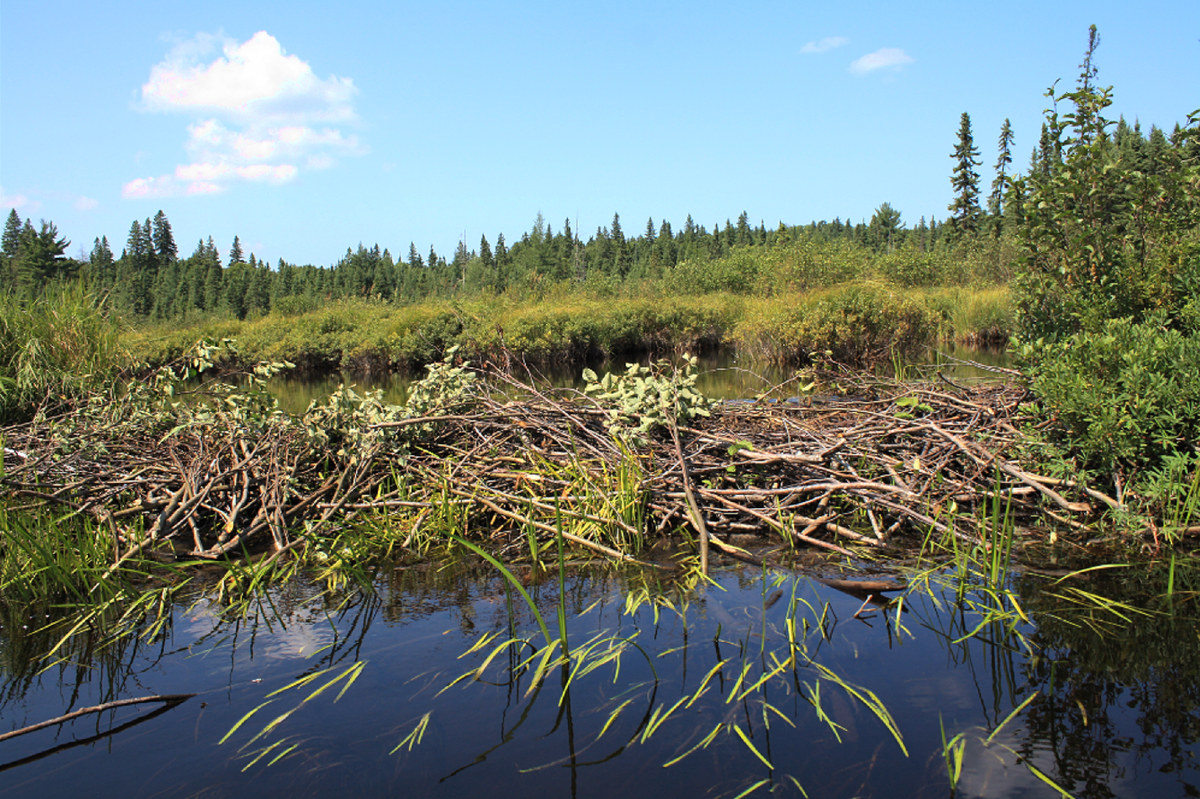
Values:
[(1107, 320)]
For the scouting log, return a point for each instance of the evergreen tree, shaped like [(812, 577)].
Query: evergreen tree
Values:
[(485, 253), (1003, 160), (164, 240), (884, 224), (461, 258), (235, 253), (743, 234), (214, 276), (1086, 114), (258, 292), (965, 180), (12, 234), (503, 261), (100, 271), (1049, 154), (137, 270), (40, 258)]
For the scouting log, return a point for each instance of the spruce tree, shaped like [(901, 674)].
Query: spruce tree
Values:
[(40, 257), (12, 234), (996, 198), (164, 240), (235, 253), (965, 180), (214, 276)]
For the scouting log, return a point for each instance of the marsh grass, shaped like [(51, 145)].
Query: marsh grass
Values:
[(984, 743), (55, 349), (761, 669), (57, 558), (859, 319)]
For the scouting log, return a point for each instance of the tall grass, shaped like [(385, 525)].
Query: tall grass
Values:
[(365, 335), (857, 322), (55, 349)]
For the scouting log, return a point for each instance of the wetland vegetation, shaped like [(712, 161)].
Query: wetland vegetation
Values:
[(862, 579)]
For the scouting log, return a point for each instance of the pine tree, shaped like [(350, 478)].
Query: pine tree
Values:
[(884, 224), (214, 276), (743, 234), (40, 257), (503, 261), (100, 265), (134, 283), (965, 180)]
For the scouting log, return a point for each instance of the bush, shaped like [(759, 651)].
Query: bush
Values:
[(1125, 397)]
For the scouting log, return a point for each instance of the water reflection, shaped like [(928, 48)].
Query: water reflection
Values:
[(722, 375), (706, 681)]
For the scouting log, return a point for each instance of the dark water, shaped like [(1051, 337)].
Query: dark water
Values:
[(721, 376), (1111, 701)]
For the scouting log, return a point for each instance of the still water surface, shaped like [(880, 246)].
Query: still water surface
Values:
[(1106, 708), (721, 375)]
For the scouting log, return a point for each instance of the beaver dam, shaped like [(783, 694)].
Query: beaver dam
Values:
[(848, 463), (499, 588)]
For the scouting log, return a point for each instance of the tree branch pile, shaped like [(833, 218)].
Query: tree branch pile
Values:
[(502, 460)]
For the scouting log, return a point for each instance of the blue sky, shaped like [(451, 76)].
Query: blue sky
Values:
[(307, 128)]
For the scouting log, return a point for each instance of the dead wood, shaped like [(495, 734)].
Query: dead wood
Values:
[(859, 471)]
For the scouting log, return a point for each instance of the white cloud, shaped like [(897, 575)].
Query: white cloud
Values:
[(252, 80), (86, 203), (881, 59), (12, 200), (824, 45), (258, 115)]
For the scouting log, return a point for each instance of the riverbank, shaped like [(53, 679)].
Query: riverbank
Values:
[(858, 322)]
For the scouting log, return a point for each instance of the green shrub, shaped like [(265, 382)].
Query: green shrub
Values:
[(1125, 397)]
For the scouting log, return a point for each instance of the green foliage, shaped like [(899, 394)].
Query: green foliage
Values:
[(648, 397), (965, 180), (447, 388), (356, 423), (1106, 308), (1125, 396)]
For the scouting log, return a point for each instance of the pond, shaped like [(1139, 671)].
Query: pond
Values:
[(722, 375), (751, 684)]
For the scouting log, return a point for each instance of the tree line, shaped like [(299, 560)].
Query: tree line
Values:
[(150, 279)]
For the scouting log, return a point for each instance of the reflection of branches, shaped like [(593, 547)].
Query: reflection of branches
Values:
[(1115, 678), (171, 702), (94, 645), (170, 699)]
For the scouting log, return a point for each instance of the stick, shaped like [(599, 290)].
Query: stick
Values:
[(169, 698)]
